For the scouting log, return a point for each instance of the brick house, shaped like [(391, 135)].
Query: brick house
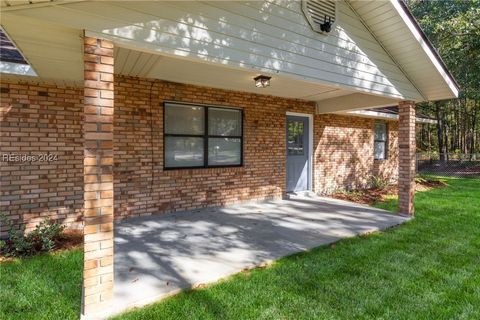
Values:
[(136, 109)]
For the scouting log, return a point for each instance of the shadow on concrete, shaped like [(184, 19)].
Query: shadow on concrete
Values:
[(157, 256)]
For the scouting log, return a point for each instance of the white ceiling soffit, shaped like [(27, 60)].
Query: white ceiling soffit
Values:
[(398, 32), (135, 63), (354, 101), (55, 53), (361, 68)]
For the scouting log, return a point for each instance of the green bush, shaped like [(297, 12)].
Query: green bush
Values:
[(41, 239), (378, 182)]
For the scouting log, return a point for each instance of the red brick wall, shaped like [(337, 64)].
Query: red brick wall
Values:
[(37, 120), (406, 137), (141, 185), (389, 168), (343, 152), (41, 118)]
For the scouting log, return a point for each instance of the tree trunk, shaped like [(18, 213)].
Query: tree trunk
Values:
[(473, 128), (438, 113)]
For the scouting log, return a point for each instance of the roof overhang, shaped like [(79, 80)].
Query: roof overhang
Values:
[(402, 37), (57, 51), (426, 45)]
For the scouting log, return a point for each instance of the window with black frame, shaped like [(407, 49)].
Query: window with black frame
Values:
[(197, 136), (380, 141)]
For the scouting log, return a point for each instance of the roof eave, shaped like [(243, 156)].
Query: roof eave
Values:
[(427, 46)]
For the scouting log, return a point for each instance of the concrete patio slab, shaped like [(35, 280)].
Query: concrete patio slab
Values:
[(157, 256)]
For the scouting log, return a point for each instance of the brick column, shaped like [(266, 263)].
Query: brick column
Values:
[(406, 142), (98, 175)]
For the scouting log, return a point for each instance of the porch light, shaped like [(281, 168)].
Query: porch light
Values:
[(262, 81)]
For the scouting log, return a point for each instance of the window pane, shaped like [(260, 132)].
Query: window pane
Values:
[(295, 138), (184, 119), (379, 151), (224, 151), (224, 122), (183, 152), (380, 131)]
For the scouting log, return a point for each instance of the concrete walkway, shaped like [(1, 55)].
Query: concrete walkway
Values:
[(157, 256)]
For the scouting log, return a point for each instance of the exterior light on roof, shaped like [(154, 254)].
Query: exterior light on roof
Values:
[(326, 26), (262, 81)]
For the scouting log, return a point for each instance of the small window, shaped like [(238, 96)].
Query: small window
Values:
[(202, 136), (295, 138), (380, 142)]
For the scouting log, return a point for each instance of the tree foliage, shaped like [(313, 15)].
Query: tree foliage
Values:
[(453, 27)]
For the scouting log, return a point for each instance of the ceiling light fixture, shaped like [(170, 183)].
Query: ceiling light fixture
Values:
[(262, 81)]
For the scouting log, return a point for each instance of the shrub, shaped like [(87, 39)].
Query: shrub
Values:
[(377, 182), (41, 239)]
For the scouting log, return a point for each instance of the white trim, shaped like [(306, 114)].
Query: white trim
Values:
[(382, 115), (401, 12), (310, 146), (424, 120), (374, 114)]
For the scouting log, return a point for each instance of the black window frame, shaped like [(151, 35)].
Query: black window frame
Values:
[(385, 156), (205, 135)]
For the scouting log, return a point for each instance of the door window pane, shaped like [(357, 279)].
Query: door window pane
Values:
[(295, 138), (184, 119), (224, 151), (183, 152), (224, 122)]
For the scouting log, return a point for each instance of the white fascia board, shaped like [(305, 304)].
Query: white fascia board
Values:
[(424, 120), (382, 115), (17, 68), (426, 48), (373, 114)]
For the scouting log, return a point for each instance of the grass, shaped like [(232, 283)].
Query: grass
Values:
[(425, 269), (48, 286)]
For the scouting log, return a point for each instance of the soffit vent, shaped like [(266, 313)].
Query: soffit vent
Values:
[(320, 14), (11, 59)]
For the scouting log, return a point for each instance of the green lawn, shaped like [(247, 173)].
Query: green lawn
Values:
[(428, 268), (42, 287)]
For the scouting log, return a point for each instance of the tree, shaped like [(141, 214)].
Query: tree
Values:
[(454, 29)]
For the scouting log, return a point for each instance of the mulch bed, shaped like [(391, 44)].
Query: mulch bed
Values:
[(371, 196), (69, 239), (365, 196)]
